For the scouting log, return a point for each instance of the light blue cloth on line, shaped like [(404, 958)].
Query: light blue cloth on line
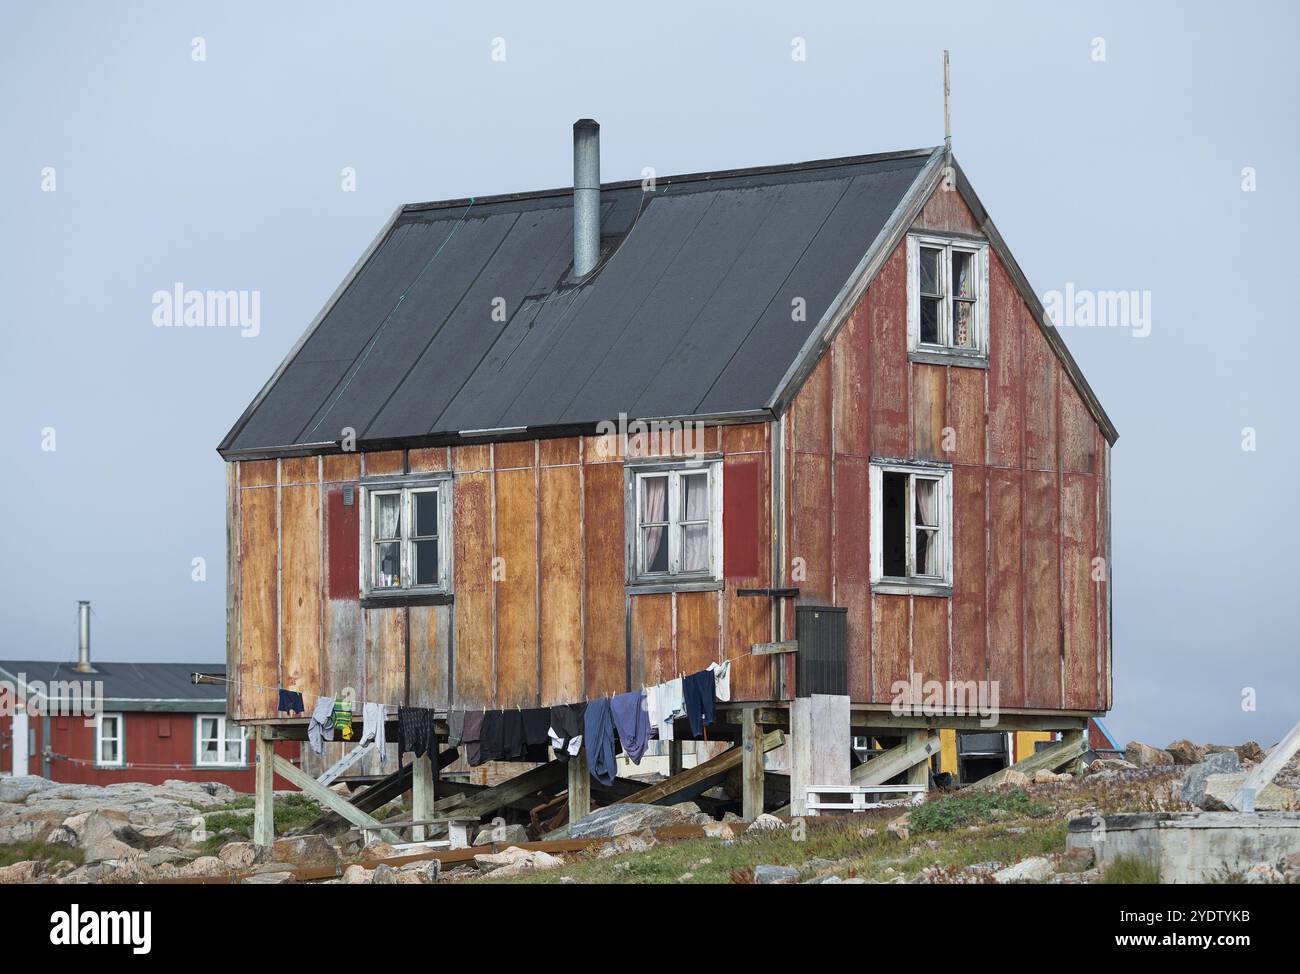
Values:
[(321, 726), (374, 716), (598, 740), (632, 721)]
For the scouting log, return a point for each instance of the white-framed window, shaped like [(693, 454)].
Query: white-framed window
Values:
[(220, 743), (674, 525), (947, 296), (110, 737), (406, 536), (911, 526)]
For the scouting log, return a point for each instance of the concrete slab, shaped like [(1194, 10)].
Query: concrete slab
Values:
[(1190, 847)]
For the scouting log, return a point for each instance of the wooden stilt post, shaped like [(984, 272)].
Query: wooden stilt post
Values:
[(919, 773), (674, 757), (751, 763), (423, 788), (264, 791), (579, 787)]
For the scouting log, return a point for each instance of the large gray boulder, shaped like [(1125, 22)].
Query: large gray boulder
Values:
[(305, 850), (612, 820), (503, 834), (1185, 752), (1146, 756), (1221, 762), (1032, 870), (16, 789), (101, 835)]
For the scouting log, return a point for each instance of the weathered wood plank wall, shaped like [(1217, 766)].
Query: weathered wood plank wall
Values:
[(540, 611)]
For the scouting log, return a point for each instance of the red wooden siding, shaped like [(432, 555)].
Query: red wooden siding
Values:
[(1028, 499), (158, 746)]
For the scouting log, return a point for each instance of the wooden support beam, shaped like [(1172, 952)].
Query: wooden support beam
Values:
[(700, 777), (333, 802), (350, 757), (264, 791), (918, 773), (752, 765), (1050, 758), (422, 793), (531, 782), (896, 760), (377, 795), (774, 649), (579, 786), (674, 757)]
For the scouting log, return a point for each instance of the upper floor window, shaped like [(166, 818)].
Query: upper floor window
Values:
[(221, 742), (947, 297), (109, 748), (675, 532), (911, 527), (406, 533)]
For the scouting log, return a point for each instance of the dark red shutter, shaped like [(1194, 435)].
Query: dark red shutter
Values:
[(742, 529), (343, 539)]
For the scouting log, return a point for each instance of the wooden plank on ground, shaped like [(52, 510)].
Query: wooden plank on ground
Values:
[(1048, 759), (699, 777), (895, 761), (341, 806)]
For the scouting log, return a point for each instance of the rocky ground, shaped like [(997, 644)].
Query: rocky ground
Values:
[(185, 831)]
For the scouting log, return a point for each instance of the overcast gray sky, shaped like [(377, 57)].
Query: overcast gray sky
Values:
[(224, 173)]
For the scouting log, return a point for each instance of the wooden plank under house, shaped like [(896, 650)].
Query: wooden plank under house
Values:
[(808, 419)]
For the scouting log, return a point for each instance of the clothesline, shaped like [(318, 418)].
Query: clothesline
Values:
[(235, 681), (142, 765)]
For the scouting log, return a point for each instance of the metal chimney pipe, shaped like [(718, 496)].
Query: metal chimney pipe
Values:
[(83, 654), (586, 196)]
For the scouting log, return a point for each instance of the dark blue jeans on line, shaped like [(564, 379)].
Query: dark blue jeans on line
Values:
[(697, 694)]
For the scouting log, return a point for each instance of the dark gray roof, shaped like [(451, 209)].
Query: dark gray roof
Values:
[(158, 687), (689, 312)]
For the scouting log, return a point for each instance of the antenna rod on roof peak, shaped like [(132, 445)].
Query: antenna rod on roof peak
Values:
[(947, 118)]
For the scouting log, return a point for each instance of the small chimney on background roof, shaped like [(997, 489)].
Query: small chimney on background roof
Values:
[(83, 648), (586, 196)]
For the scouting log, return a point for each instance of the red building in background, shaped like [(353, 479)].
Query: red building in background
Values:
[(121, 722)]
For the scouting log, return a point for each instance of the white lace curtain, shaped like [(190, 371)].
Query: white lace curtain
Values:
[(929, 550), (656, 499), (695, 537)]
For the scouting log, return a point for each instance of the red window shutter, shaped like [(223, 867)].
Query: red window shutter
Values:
[(742, 528), (164, 727), (343, 540)]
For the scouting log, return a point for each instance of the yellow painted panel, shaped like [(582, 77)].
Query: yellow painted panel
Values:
[(948, 751)]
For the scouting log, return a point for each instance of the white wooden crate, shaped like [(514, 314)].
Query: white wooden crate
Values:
[(859, 798)]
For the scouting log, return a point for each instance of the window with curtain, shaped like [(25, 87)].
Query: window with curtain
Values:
[(109, 751), (911, 524), (947, 295), (221, 742), (678, 523), (405, 527)]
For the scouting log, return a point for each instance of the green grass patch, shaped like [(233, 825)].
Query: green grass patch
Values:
[(40, 851), (974, 808), (291, 812), (1130, 871), (880, 857)]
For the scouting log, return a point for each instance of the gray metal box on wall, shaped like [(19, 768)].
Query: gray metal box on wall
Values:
[(823, 635)]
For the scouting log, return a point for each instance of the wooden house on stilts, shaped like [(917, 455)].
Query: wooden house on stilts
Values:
[(551, 446)]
